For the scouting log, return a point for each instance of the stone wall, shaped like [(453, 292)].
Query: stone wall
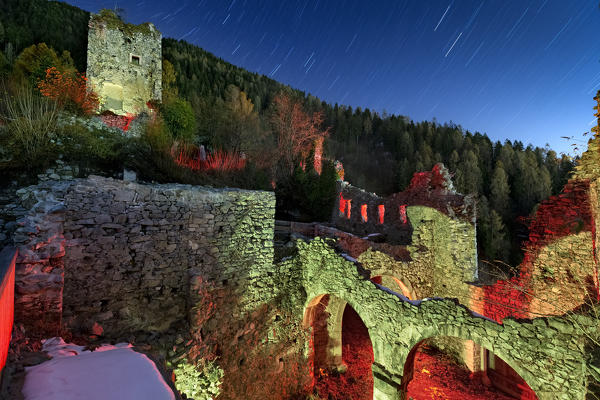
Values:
[(124, 64), (549, 353), (39, 272), (134, 257), (440, 259), (127, 252), (132, 249), (363, 213)]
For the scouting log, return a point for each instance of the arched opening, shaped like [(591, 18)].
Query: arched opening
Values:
[(341, 350), (432, 373), (395, 284)]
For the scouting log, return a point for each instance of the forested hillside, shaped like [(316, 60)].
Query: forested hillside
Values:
[(59, 25), (379, 152)]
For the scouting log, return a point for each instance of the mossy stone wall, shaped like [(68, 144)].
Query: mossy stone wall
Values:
[(546, 352)]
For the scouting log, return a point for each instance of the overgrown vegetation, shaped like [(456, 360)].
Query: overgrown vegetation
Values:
[(69, 90), (29, 136), (114, 20), (198, 382)]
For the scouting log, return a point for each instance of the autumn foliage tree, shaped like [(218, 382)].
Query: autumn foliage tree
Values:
[(69, 90), (34, 61), (296, 133)]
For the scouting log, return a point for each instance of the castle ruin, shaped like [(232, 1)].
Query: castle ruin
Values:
[(124, 63)]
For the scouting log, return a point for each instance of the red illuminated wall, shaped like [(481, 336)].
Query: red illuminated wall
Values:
[(7, 287), (566, 214), (363, 213), (381, 213)]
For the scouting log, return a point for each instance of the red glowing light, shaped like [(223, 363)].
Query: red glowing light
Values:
[(363, 213), (6, 310), (437, 376), (345, 207), (342, 205), (357, 354), (402, 212), (381, 212), (562, 215), (191, 157), (121, 122)]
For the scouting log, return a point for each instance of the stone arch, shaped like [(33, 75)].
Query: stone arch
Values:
[(453, 331), (396, 324), (325, 314)]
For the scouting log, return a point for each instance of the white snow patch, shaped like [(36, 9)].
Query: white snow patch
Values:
[(109, 372)]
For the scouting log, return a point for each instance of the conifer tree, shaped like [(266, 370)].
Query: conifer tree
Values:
[(500, 191)]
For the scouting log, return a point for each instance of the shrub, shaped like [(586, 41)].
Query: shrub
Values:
[(224, 161), (200, 382), (69, 90), (180, 119), (189, 156), (95, 149), (33, 62), (157, 136), (307, 193), (30, 128)]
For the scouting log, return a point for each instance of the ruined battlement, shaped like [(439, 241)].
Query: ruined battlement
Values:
[(365, 213), (124, 63)]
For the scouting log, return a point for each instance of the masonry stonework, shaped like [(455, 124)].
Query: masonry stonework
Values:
[(112, 257), (555, 370), (124, 63), (125, 253)]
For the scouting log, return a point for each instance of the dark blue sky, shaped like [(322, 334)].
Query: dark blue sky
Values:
[(518, 69)]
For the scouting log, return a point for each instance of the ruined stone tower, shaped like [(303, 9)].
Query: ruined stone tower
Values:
[(124, 63)]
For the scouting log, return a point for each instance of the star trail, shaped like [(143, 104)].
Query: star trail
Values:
[(518, 70)]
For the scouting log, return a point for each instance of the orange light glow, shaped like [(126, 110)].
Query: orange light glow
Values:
[(345, 207), (381, 209), (348, 207), (363, 213), (342, 205)]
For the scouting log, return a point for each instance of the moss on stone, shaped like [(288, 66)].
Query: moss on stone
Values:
[(113, 21)]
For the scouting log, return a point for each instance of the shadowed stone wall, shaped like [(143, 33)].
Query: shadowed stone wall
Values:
[(132, 249), (125, 253)]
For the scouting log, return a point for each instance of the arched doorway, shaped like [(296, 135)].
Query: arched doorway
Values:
[(432, 373), (396, 285), (341, 350)]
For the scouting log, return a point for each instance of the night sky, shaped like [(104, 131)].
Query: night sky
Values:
[(518, 69)]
